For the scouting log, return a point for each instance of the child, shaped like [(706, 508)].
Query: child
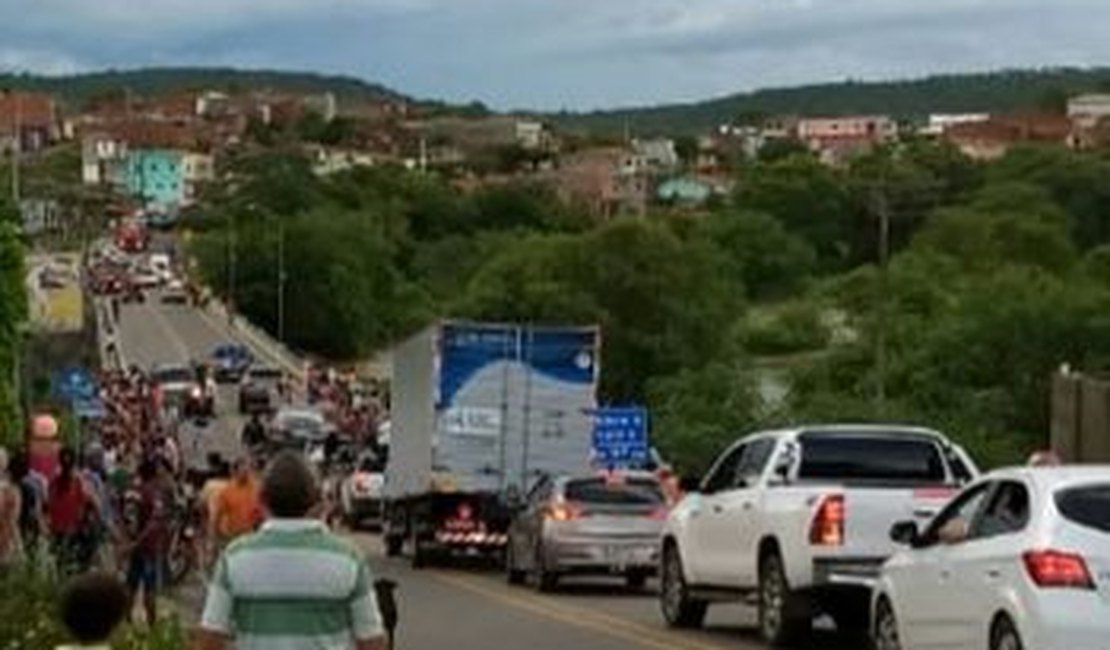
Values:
[(93, 605)]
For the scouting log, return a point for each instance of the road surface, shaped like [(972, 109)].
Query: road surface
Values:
[(462, 608)]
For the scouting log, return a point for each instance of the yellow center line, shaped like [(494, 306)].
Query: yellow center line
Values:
[(641, 635)]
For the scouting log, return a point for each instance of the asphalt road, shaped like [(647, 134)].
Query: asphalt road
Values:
[(461, 608)]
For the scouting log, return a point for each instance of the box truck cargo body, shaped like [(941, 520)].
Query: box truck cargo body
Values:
[(479, 413)]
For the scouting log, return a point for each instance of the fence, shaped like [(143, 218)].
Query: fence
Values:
[(1080, 428)]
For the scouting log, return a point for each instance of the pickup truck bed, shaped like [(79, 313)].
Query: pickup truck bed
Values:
[(800, 518)]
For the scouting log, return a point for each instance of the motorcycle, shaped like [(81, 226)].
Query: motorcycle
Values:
[(183, 555)]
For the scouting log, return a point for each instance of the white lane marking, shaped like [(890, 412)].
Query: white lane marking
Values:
[(248, 338)]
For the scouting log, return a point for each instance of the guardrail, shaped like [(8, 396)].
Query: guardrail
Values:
[(257, 338)]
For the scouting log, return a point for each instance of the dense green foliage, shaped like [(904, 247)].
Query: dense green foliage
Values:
[(912, 99), (13, 315), (996, 275), (29, 617)]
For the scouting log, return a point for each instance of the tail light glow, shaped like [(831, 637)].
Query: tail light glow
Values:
[(827, 528), (564, 511), (1057, 569)]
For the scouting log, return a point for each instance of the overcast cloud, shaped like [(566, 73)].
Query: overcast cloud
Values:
[(561, 53)]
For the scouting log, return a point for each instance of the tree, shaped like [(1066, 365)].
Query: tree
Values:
[(810, 199), (765, 259), (696, 413)]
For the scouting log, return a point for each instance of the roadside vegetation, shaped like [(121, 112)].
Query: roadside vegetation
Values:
[(994, 275)]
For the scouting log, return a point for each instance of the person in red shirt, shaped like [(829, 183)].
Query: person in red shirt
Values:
[(67, 507), (148, 523)]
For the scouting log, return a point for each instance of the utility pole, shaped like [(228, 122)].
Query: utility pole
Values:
[(281, 280), (230, 267), (17, 144), (881, 208)]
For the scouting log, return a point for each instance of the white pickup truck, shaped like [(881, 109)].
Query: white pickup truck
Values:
[(798, 520)]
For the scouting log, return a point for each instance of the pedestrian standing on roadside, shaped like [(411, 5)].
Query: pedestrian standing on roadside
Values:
[(238, 508), (292, 585), (149, 538), (68, 507), (31, 523)]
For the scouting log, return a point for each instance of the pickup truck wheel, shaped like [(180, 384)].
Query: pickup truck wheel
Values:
[(784, 615), (679, 609), (886, 628), (1004, 636)]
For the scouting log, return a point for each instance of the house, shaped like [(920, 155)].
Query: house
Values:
[(991, 139), (1086, 111), (657, 153), (327, 160), (604, 181), (29, 119), (939, 123), (103, 159), (157, 176), (684, 191), (198, 168), (836, 139)]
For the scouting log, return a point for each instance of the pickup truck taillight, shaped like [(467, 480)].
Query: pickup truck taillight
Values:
[(828, 524), (1057, 569), (563, 511)]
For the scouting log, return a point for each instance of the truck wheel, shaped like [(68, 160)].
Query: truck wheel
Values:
[(393, 545), (679, 609), (419, 553), (784, 615)]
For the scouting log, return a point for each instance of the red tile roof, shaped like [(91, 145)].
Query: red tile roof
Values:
[(30, 109)]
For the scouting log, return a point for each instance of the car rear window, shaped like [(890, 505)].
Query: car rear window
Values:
[(871, 458), (1087, 506), (173, 375), (628, 492)]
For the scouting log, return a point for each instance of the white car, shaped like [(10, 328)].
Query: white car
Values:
[(797, 520), (1019, 560)]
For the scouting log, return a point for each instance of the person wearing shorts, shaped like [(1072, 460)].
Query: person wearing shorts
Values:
[(148, 519)]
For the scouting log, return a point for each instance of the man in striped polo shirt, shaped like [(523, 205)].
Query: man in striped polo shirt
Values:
[(292, 585)]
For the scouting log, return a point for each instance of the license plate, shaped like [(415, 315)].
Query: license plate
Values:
[(618, 556)]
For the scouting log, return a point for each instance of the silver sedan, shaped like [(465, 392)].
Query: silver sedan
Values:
[(599, 525)]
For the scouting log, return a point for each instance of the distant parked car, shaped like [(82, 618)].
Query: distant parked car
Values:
[(602, 525), (1020, 559), (173, 384), (258, 390), (230, 360)]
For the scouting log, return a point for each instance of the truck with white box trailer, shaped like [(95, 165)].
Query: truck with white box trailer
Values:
[(480, 412)]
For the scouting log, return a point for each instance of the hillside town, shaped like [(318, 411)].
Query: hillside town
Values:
[(154, 153)]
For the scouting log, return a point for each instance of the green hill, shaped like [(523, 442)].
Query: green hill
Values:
[(75, 89), (909, 99)]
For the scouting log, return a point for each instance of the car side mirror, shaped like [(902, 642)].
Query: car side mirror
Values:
[(689, 484), (904, 532)]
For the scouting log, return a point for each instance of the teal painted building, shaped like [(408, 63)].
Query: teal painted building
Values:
[(684, 190), (157, 176)]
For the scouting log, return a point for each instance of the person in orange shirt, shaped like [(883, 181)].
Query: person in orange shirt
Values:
[(238, 506)]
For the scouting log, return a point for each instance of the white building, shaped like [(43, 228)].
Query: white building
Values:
[(103, 159), (939, 123), (1086, 111), (659, 153)]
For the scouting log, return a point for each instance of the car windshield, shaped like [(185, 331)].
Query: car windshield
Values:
[(1088, 506), (870, 457), (633, 491), (300, 421), (264, 374), (174, 375)]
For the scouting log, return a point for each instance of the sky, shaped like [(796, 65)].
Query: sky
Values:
[(555, 54)]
